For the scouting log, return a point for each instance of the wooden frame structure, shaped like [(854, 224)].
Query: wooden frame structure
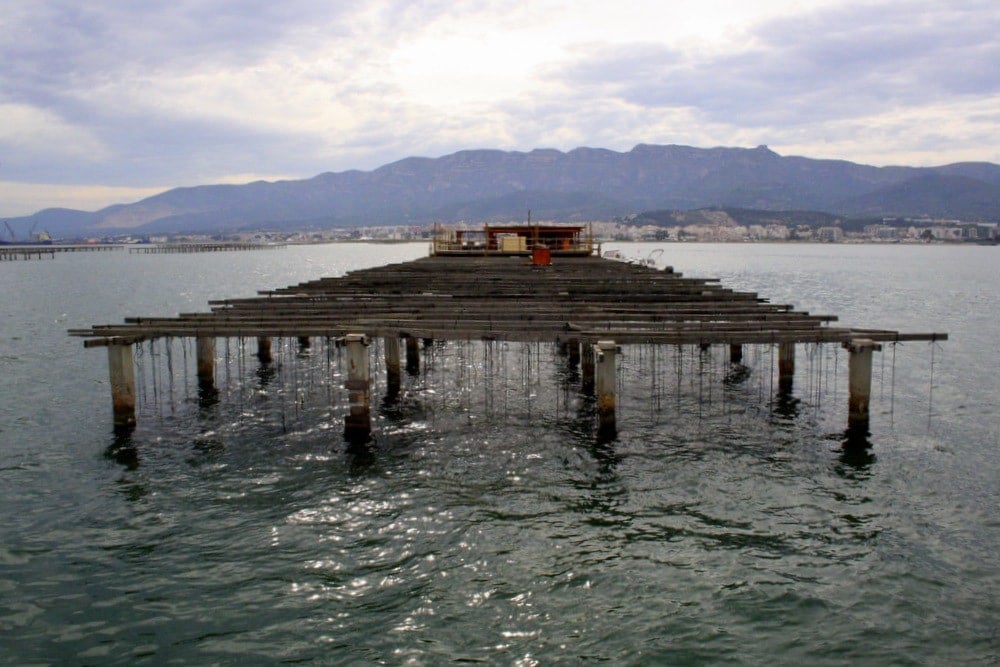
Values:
[(591, 303), (559, 240)]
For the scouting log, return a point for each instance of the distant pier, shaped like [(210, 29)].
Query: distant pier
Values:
[(11, 253), (222, 246), (14, 252), (590, 308)]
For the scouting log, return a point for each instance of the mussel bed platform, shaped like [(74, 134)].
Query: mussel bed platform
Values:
[(586, 299)]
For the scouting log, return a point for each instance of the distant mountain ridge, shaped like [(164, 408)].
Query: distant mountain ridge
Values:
[(581, 184)]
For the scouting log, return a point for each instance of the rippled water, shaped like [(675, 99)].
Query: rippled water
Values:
[(487, 522)]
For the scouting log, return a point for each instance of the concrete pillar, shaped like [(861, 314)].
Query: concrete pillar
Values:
[(121, 371), (573, 352), (786, 367), (392, 365), (606, 379), (735, 353), (859, 383), (205, 346), (412, 356), (587, 368), (264, 349), (358, 422)]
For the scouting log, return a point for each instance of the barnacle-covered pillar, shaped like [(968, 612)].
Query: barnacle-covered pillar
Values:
[(573, 352), (121, 371), (205, 347), (735, 353), (358, 422), (392, 363), (859, 383), (587, 368), (264, 349), (786, 368), (605, 353), (412, 356)]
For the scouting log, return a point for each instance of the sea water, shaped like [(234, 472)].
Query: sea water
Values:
[(486, 522)]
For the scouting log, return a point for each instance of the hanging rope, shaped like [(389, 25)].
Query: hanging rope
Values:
[(930, 392), (892, 390)]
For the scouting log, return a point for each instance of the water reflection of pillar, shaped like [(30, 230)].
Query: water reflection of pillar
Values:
[(358, 423)]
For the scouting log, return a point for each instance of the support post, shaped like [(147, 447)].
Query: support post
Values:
[(735, 353), (786, 367), (358, 423), (392, 365), (412, 356), (264, 349), (587, 369), (859, 384), (205, 346), (573, 352), (605, 352), (121, 371)]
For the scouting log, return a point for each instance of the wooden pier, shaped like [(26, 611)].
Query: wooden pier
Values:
[(221, 246), (11, 253), (14, 252), (589, 305)]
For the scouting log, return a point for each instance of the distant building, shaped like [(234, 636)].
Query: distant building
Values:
[(829, 234), (881, 232)]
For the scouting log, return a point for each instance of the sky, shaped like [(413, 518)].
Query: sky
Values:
[(110, 101)]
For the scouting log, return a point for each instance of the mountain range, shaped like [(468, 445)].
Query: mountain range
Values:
[(578, 185)]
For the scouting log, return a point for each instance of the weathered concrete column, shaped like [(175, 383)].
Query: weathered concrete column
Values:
[(121, 371), (358, 422), (573, 352), (786, 367), (859, 383), (205, 346), (264, 349), (392, 365), (412, 356), (587, 368), (735, 353), (605, 352)]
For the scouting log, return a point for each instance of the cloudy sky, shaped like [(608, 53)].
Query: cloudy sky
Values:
[(112, 100)]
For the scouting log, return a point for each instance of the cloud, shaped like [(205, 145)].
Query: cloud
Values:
[(835, 64), (187, 91)]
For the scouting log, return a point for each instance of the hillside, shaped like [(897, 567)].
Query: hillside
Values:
[(582, 184)]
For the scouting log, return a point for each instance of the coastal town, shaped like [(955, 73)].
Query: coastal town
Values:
[(888, 231)]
